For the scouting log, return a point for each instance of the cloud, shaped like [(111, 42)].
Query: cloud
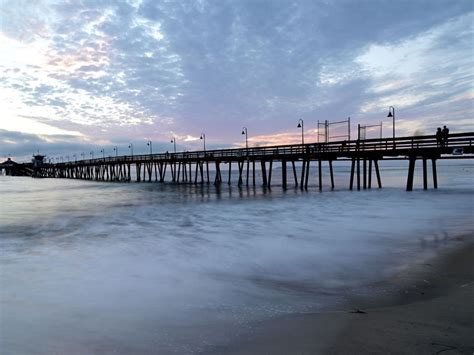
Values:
[(147, 69), (28, 125)]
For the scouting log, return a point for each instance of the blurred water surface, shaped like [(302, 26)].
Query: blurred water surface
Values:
[(92, 267)]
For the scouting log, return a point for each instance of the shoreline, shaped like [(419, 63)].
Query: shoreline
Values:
[(426, 310)]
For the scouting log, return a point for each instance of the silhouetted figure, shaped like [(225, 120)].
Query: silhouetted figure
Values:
[(445, 136), (439, 137)]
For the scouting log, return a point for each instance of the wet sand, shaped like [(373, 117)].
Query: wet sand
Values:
[(429, 310)]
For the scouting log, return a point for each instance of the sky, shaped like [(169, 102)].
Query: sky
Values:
[(81, 76)]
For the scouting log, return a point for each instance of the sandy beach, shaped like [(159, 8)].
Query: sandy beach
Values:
[(428, 310)]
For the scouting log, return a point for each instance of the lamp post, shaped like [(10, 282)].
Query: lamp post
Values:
[(244, 132), (151, 147), (131, 148), (391, 113), (116, 151), (203, 137), (75, 157), (83, 155), (173, 140), (92, 155), (301, 125), (103, 153)]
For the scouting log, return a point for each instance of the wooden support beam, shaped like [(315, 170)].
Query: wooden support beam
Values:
[(160, 169), (303, 173), (351, 183), (179, 170), (270, 173), (283, 173), (207, 171), (331, 172), (241, 167), (201, 169), (218, 178), (196, 173), (164, 171), (320, 175), (365, 173), (248, 172), (425, 175), (377, 172), (435, 176), (253, 172), (264, 173), (358, 173), (295, 177), (307, 174), (411, 172), (370, 174), (230, 172)]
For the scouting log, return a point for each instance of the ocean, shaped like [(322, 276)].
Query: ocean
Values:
[(95, 267)]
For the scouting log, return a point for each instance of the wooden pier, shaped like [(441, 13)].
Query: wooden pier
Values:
[(295, 160)]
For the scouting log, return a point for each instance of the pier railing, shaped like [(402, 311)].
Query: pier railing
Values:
[(386, 146)]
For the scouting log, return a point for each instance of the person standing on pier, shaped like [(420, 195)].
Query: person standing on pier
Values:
[(445, 136), (439, 137)]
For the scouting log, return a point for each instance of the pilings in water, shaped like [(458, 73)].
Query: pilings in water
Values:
[(364, 171), (411, 172), (196, 171)]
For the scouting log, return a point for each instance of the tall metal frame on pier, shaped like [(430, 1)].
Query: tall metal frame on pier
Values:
[(326, 125), (362, 130)]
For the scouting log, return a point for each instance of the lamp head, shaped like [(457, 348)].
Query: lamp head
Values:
[(243, 132), (299, 125), (201, 137), (389, 114)]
